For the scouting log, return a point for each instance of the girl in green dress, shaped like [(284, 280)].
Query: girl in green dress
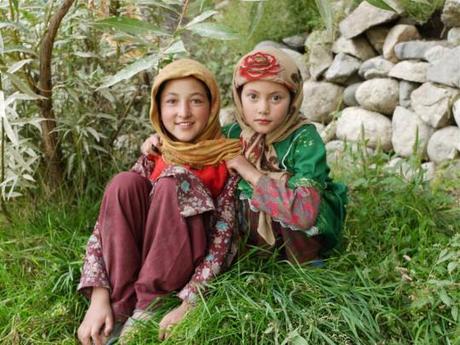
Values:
[(287, 198)]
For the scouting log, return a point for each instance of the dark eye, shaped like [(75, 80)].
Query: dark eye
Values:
[(277, 98), (251, 96), (197, 101), (170, 101)]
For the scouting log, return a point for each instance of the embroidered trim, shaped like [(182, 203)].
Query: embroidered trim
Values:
[(230, 129), (289, 148)]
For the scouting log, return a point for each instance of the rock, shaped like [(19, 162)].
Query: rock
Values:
[(357, 47), (410, 71), (451, 13), (402, 167), (433, 103), (320, 100), (349, 94), (376, 37), (405, 90), (429, 170), (342, 68), (443, 144), (451, 171), (399, 33), (415, 49), (456, 112), (320, 53), (408, 131), (364, 17), (340, 152), (376, 67), (296, 42), (269, 44), (319, 127), (300, 60), (434, 54), (453, 36), (380, 95), (446, 70), (356, 124), (328, 132), (354, 78), (227, 116)]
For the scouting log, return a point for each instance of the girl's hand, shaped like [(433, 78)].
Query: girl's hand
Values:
[(172, 318), (98, 322), (245, 169), (151, 145)]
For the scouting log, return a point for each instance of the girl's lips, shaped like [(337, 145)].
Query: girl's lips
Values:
[(184, 124), (263, 122)]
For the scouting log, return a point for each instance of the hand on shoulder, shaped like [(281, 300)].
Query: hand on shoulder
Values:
[(151, 145)]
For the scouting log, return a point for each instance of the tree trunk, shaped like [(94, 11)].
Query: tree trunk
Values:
[(51, 146)]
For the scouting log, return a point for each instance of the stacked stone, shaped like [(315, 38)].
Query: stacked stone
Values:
[(382, 83), (396, 90)]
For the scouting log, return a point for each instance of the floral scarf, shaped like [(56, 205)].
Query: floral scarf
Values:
[(269, 64)]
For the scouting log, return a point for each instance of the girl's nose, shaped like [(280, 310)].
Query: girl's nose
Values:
[(263, 108), (184, 109)]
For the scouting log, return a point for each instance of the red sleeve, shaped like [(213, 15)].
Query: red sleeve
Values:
[(296, 208)]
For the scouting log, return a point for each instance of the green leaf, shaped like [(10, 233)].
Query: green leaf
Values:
[(202, 17), (129, 25), (2, 46), (257, 11), (445, 297), (159, 4), (131, 70), (20, 49), (454, 312), (381, 4), (213, 30), (452, 266), (5, 125), (22, 86), (8, 24), (18, 65), (176, 47)]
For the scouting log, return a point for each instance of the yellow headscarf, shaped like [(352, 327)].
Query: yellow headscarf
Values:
[(209, 147), (274, 65)]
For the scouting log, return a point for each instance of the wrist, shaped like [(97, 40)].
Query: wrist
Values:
[(100, 295)]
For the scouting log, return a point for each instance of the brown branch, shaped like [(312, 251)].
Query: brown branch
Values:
[(52, 149)]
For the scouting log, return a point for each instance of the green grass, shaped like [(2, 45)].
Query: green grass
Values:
[(395, 280)]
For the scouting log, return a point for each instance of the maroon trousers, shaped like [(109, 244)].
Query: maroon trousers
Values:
[(149, 249), (294, 246)]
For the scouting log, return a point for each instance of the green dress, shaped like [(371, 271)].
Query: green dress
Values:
[(303, 155)]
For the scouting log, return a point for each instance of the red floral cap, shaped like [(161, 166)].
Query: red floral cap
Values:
[(259, 65)]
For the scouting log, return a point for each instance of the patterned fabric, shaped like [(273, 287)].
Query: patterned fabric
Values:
[(295, 209), (193, 199), (303, 155), (93, 273)]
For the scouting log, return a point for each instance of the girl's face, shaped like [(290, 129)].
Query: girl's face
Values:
[(265, 105), (184, 108)]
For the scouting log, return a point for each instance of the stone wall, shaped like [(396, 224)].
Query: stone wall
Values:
[(386, 82)]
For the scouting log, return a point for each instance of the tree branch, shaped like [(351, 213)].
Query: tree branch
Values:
[(52, 149)]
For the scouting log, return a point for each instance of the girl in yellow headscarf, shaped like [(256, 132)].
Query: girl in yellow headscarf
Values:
[(167, 225)]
